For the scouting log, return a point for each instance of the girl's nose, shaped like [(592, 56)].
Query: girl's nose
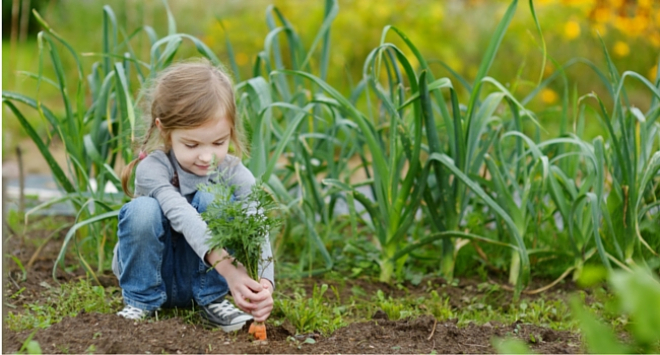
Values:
[(206, 157)]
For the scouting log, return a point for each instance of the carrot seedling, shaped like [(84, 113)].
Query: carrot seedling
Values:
[(241, 227)]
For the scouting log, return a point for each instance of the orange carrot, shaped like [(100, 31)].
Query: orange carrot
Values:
[(258, 329)]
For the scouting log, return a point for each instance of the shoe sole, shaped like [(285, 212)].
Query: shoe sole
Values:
[(225, 328)]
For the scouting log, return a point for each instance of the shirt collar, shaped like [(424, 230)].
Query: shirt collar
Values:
[(189, 182)]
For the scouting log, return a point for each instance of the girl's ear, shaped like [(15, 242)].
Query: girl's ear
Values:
[(158, 124)]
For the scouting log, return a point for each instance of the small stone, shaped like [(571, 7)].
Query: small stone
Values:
[(380, 314), (288, 327)]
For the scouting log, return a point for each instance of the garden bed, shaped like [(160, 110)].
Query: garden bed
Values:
[(108, 333)]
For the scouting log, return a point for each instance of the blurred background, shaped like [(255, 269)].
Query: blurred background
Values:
[(452, 33)]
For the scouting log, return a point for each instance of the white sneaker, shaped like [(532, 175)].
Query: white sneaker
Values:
[(130, 312)]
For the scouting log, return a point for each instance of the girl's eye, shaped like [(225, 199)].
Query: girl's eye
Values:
[(191, 145), (219, 143)]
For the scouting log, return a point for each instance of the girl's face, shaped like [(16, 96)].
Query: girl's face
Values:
[(194, 148)]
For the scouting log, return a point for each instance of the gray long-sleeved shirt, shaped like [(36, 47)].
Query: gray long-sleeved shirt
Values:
[(153, 178)]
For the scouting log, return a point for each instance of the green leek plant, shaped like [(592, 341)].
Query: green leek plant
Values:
[(296, 134), (632, 164), (97, 131), (456, 164), (392, 138)]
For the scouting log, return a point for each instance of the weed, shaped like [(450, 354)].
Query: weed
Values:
[(298, 344), (439, 307), (20, 266), (30, 346), (311, 314), (67, 300), (187, 315), (396, 308), (91, 349)]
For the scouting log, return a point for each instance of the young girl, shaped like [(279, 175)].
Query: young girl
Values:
[(161, 258)]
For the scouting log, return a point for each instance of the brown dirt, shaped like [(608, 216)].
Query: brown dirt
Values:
[(108, 333)]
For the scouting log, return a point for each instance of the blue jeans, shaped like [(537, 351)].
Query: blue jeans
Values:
[(155, 265)]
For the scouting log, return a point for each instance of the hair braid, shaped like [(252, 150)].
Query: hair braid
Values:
[(127, 172)]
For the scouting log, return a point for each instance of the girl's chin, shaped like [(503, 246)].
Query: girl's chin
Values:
[(197, 170)]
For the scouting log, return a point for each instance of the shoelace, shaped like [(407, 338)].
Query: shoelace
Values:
[(223, 307)]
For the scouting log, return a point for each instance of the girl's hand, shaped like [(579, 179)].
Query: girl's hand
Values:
[(247, 293), (265, 306)]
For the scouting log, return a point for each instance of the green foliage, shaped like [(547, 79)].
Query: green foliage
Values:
[(30, 346), (439, 307), (394, 308), (511, 346), (310, 314), (638, 297), (379, 176), (67, 300), (241, 226)]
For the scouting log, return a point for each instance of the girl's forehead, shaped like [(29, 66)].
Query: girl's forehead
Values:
[(211, 130)]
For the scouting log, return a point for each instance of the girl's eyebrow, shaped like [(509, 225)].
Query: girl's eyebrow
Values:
[(189, 140), (192, 140), (223, 137)]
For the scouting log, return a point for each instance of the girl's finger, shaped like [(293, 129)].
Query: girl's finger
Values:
[(262, 314), (244, 303), (258, 297), (254, 286)]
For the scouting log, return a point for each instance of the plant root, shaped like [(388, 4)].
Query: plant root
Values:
[(258, 329), (435, 324), (538, 290)]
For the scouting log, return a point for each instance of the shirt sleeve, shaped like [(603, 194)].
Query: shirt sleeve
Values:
[(153, 178)]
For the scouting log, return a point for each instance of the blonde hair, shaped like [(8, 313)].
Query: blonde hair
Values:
[(186, 95)]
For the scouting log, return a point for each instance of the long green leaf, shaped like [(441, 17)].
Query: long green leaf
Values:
[(59, 174), (72, 232), (524, 258)]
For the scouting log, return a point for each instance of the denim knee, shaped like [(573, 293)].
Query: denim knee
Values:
[(140, 219), (201, 200)]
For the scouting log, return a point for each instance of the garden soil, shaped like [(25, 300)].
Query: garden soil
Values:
[(108, 333)]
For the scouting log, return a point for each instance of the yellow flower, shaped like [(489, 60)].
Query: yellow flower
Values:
[(655, 39), (585, 4), (653, 72), (571, 30), (382, 11), (602, 15), (616, 3), (549, 96), (241, 58), (629, 26), (548, 70), (437, 11), (621, 49), (638, 24), (456, 64)]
